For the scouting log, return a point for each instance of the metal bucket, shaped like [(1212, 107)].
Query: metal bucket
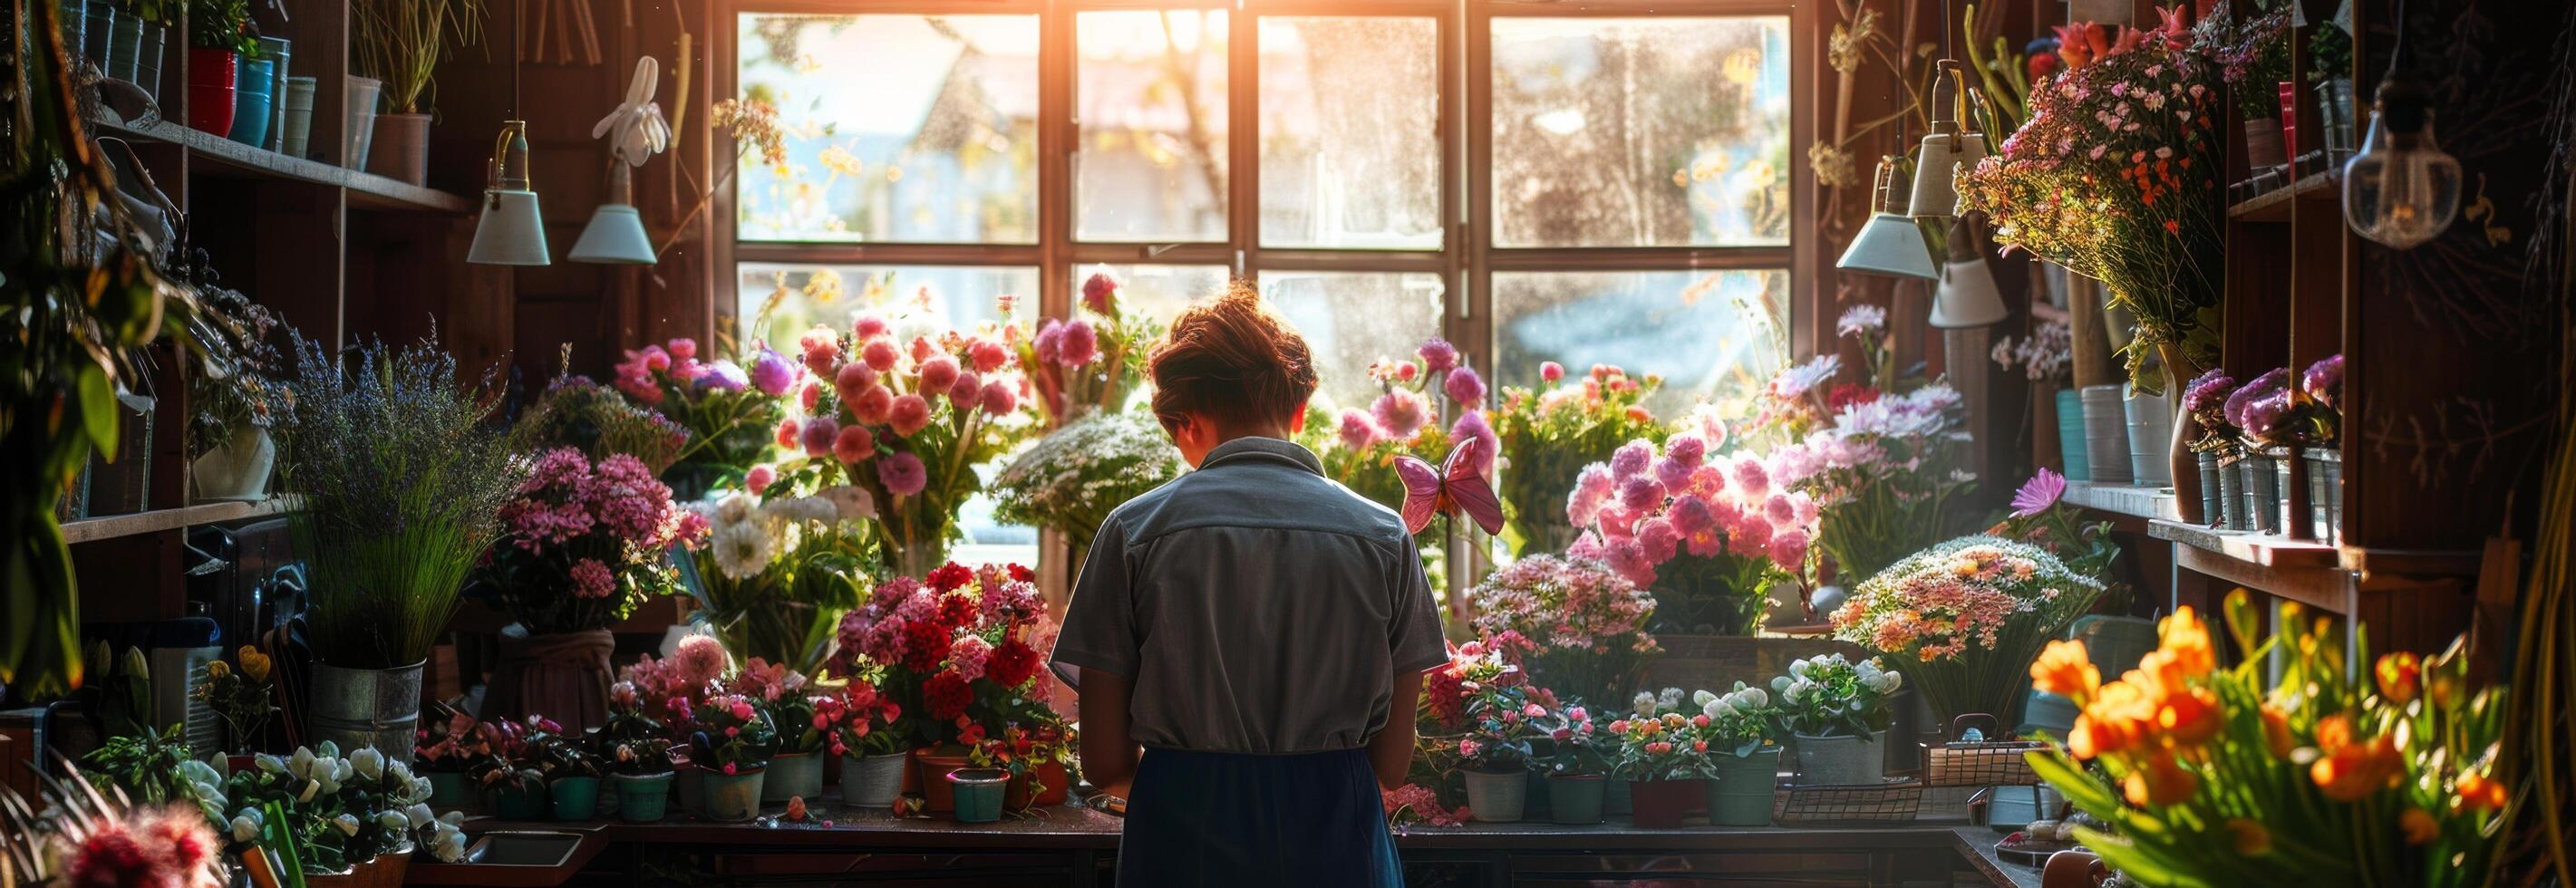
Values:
[(366, 707)]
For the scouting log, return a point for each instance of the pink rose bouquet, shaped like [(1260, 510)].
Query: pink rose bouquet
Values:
[(1963, 620), (1712, 535), (583, 542)]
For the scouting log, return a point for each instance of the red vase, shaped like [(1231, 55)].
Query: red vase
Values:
[(210, 89), (1661, 804)]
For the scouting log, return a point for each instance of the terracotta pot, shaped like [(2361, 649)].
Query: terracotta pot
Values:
[(562, 677), (1661, 804), (1020, 797), (401, 149), (1059, 784), (935, 788)]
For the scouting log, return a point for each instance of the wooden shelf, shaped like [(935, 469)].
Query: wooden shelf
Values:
[(114, 526), (2136, 501), (2305, 571), (2274, 205), (366, 190)]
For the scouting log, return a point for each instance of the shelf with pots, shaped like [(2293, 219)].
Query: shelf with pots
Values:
[(366, 190)]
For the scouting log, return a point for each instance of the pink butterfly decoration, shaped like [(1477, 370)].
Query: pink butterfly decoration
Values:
[(1455, 487)]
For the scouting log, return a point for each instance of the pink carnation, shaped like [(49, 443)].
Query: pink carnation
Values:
[(1099, 293), (684, 349), (1401, 414), (1551, 371), (880, 354), (988, 355), (1078, 344), (938, 373), (852, 380), (999, 398), (868, 327), (1464, 387), (873, 405)]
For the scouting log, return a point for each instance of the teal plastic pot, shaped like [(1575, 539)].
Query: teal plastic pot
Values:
[(643, 799), (1741, 795), (979, 793), (733, 798), (2070, 436), (575, 798), (1576, 798), (516, 803), (252, 88)]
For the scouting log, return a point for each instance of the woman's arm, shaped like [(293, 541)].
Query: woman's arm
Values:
[(1391, 751), (1108, 751)]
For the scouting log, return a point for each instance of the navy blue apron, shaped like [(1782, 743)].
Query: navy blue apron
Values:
[(1221, 818)]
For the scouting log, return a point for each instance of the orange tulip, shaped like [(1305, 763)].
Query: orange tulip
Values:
[(2091, 738), (2160, 782), (2399, 677), (2190, 718), (2188, 638), (2252, 840), (2276, 732), (2350, 771), (2066, 670), (2419, 826), (2478, 792)]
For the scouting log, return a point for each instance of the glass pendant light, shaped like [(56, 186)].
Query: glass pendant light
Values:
[(2402, 189), (1888, 244)]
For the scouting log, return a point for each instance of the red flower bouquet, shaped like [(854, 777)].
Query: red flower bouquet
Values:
[(959, 646)]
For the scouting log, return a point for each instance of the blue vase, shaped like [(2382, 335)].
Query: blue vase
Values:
[(251, 93), (2070, 436)]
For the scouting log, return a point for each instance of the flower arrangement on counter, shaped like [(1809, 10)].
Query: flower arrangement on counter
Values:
[(2219, 775), (1549, 434), (1962, 619), (1711, 535), (1585, 624), (2205, 398), (727, 407), (1090, 364), (867, 722), (730, 736), (777, 570), (2115, 176), (583, 542), (907, 412), (338, 811), (960, 646), (1070, 480), (1359, 446), (1881, 474)]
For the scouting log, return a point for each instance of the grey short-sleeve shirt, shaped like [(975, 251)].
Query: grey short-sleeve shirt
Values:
[(1258, 606)]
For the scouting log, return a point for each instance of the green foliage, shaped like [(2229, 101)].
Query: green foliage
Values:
[(1549, 434), (401, 481), (222, 25), (593, 418)]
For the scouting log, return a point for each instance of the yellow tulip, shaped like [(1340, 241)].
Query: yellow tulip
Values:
[(217, 670)]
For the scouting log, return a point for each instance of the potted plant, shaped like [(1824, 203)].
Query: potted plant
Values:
[(1501, 718), (1837, 711), (874, 737), (569, 765), (959, 647), (402, 484), (229, 416), (2217, 449), (357, 818), (1736, 731), (583, 543), (2330, 68), (1962, 620), (399, 43), (733, 743), (448, 749), (1034, 757), (2322, 383), (781, 568), (2292, 766), (1550, 432), (2253, 57), (1585, 622), (2263, 412), (906, 419), (243, 696), (643, 772), (1660, 760), (1577, 765), (219, 36), (796, 768), (155, 768), (728, 419)]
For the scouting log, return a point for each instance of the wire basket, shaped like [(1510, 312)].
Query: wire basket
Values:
[(1980, 764), (1848, 803)]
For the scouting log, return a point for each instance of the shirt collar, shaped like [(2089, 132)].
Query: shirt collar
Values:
[(1252, 448)]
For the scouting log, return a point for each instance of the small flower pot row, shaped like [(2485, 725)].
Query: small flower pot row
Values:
[(1741, 794)]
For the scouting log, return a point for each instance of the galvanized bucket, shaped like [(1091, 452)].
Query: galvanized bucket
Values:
[(367, 707)]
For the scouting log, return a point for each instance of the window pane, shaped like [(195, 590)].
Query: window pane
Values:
[(1158, 291), (1350, 150), (1641, 132), (777, 302), (1149, 160), (1350, 318), (1716, 335), (940, 145)]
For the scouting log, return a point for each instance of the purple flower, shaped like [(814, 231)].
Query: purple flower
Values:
[(723, 376), (771, 373), (2323, 381), (1687, 450), (1464, 387), (2263, 415), (902, 474), (1438, 355), (2278, 379), (1640, 493), (1632, 458), (1357, 430), (2209, 392), (818, 435), (2038, 494)]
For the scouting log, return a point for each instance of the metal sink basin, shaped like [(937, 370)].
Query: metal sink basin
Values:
[(534, 848)]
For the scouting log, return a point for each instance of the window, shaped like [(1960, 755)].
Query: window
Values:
[(1605, 184)]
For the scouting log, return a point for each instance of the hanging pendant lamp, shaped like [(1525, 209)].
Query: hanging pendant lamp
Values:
[(1888, 244), (1967, 296), (511, 231), (1953, 142), (636, 132)]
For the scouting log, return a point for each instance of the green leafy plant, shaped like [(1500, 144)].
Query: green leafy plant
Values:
[(79, 300), (223, 25), (1548, 434), (156, 767), (1576, 744), (595, 419), (242, 696), (401, 41), (1831, 696), (402, 483)]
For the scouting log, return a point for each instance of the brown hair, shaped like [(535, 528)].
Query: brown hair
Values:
[(1233, 361)]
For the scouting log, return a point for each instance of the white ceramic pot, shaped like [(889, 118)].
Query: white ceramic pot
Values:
[(1829, 761), (872, 782), (1497, 797), (238, 468)]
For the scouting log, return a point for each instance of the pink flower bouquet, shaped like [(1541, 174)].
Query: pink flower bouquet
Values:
[(1587, 623), (1712, 535), (961, 646), (1359, 446), (1548, 434), (1963, 620), (1090, 363), (583, 543), (1883, 474), (727, 409)]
